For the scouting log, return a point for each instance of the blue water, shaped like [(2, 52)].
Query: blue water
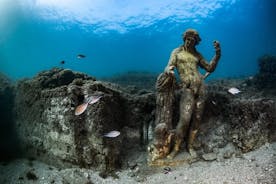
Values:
[(36, 35)]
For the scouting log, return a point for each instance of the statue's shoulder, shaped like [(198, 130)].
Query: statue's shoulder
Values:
[(177, 50)]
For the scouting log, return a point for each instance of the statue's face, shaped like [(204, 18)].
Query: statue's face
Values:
[(190, 42)]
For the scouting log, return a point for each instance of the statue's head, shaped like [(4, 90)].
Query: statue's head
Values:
[(191, 33)]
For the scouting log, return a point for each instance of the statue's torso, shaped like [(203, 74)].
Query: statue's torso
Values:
[(187, 67)]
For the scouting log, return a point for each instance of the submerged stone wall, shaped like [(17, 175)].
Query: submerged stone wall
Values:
[(49, 130), (235, 124)]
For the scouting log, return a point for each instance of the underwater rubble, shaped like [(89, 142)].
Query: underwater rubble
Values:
[(49, 131)]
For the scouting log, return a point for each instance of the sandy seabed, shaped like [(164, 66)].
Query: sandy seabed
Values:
[(256, 167)]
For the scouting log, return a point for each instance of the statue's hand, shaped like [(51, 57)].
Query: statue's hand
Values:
[(170, 70), (216, 45)]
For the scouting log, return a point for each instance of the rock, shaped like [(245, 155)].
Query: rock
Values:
[(209, 156), (249, 122), (59, 77), (228, 154), (132, 164)]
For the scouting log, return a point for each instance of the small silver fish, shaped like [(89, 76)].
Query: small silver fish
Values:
[(234, 91), (93, 99), (112, 134), (80, 56)]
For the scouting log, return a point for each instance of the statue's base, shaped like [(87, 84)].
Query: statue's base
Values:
[(180, 159)]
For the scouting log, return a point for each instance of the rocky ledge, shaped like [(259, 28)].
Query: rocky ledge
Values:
[(49, 130)]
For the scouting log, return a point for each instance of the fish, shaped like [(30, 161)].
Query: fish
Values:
[(234, 91), (81, 108), (62, 62), (93, 99), (112, 134), (81, 56), (88, 101)]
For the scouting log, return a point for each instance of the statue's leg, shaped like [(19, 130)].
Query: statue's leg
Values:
[(196, 119), (185, 111)]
